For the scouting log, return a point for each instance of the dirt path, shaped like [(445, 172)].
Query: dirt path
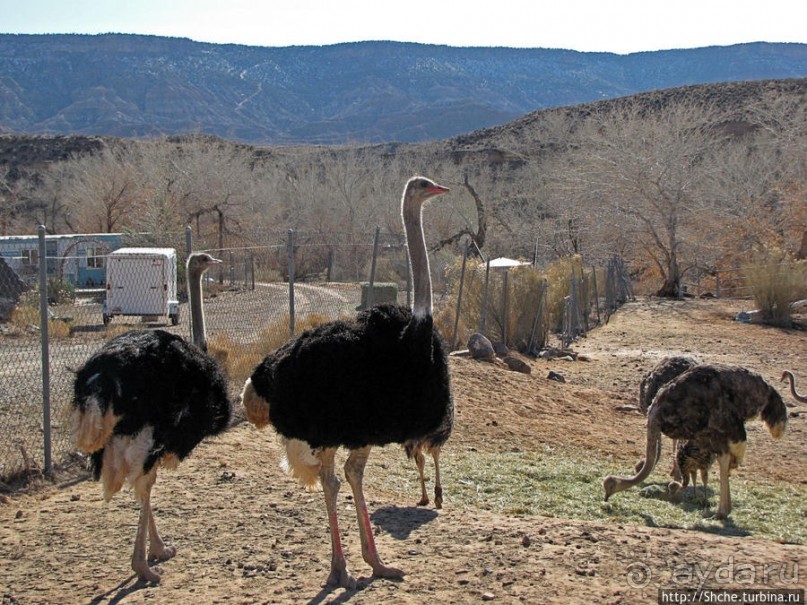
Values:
[(248, 534)]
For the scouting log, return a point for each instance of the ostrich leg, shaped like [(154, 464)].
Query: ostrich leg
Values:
[(724, 508), (140, 564), (675, 473), (354, 471), (438, 487), (330, 485), (420, 461), (157, 548)]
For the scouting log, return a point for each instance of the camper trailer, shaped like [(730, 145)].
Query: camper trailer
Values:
[(142, 281)]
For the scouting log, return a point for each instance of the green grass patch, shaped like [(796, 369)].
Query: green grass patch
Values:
[(568, 484)]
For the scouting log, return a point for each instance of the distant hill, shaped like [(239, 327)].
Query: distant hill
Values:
[(368, 92)]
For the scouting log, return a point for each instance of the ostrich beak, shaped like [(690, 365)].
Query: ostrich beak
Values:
[(437, 189)]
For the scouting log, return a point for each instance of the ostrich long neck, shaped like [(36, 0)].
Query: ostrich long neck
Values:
[(789, 375), (197, 312), (416, 242)]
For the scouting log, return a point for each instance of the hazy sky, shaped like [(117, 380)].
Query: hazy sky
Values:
[(620, 26)]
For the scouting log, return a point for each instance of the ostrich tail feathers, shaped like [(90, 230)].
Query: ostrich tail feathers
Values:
[(256, 407), (300, 462), (774, 414)]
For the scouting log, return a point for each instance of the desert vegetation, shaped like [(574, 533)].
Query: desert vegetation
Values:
[(684, 184)]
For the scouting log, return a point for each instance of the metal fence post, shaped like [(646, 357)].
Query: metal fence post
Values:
[(290, 252), (459, 298), (45, 345), (370, 297), (188, 240), (484, 318)]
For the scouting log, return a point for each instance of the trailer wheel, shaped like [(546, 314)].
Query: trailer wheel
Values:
[(175, 319), (106, 320)]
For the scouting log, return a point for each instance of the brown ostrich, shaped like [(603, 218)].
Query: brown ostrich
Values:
[(788, 375), (692, 459), (662, 373), (380, 378), (710, 405)]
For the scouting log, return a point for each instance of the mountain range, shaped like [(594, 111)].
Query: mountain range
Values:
[(364, 92)]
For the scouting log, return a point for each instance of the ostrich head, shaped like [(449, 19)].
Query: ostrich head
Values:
[(199, 262), (610, 484), (419, 189)]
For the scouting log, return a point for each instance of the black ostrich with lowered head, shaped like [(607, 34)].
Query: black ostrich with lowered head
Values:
[(378, 379), (145, 400), (709, 405)]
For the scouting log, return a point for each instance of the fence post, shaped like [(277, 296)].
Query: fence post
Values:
[(596, 292), (484, 319), (290, 252), (459, 298), (370, 297), (538, 315), (45, 346), (188, 240), (505, 309)]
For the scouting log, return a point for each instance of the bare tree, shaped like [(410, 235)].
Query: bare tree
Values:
[(645, 169)]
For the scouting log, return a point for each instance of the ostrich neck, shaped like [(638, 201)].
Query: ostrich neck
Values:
[(419, 257), (197, 313), (796, 396)]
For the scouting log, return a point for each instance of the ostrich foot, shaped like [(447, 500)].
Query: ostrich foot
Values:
[(341, 577), (161, 552), (438, 497), (423, 501), (146, 573), (385, 571), (673, 487)]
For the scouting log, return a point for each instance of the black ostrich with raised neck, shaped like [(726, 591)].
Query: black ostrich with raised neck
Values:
[(145, 400), (708, 405), (381, 378)]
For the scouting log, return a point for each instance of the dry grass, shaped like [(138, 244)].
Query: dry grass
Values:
[(777, 280), (239, 359)]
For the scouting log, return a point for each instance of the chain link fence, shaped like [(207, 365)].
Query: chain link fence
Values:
[(253, 302)]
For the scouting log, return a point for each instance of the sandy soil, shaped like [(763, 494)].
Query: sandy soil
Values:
[(248, 534)]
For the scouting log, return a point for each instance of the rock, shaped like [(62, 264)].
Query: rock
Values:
[(556, 377), (555, 353), (501, 349), (481, 348), (517, 365)]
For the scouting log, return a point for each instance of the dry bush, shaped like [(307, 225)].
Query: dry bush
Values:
[(239, 359), (26, 314), (777, 281)]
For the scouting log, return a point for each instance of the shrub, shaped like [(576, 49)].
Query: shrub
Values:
[(60, 292), (777, 280)]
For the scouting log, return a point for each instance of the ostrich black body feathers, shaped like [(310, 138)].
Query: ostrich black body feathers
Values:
[(156, 379), (350, 383)]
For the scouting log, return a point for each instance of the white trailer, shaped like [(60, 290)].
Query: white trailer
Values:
[(142, 281)]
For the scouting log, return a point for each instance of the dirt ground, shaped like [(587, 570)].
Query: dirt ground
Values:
[(248, 534)]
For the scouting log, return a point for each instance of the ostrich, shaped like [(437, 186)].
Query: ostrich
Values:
[(692, 458), (145, 400), (710, 405), (662, 373), (788, 375), (378, 379), (415, 449)]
